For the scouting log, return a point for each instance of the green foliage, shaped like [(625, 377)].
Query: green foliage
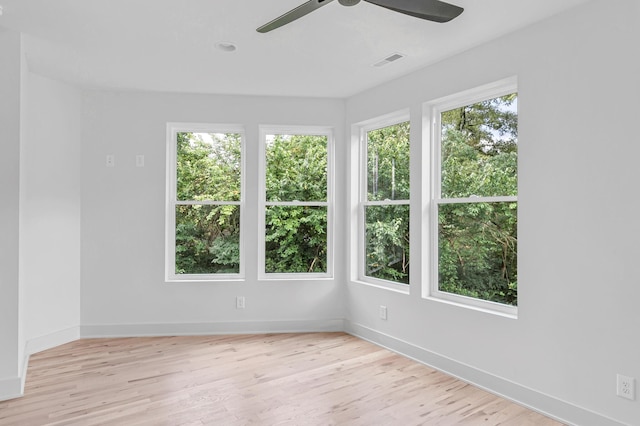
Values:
[(296, 236), (296, 168), (387, 226), (208, 235), (388, 163), (296, 239), (387, 242), (478, 250), (208, 167), (478, 241), (490, 126)]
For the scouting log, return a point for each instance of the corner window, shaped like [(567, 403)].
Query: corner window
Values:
[(204, 202), (296, 203), (475, 205), (384, 204)]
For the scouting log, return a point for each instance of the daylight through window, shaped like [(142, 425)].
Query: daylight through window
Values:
[(385, 204), (296, 203), (476, 200), (205, 204)]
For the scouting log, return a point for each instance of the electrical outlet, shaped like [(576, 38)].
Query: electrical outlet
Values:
[(111, 160), (139, 160), (240, 302), (383, 312), (626, 387)]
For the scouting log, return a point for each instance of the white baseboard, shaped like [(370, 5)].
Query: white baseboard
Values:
[(549, 406), (225, 327), (52, 340), (14, 387), (562, 411), (10, 388)]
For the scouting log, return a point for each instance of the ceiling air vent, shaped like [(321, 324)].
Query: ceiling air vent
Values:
[(391, 58)]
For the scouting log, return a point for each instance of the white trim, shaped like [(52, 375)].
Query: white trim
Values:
[(383, 121), (297, 203), (362, 202), (467, 302), (492, 90), (14, 387), (383, 284), (548, 405), (387, 203), (540, 402), (170, 201), (469, 200), (48, 341), (207, 328), (432, 111), (207, 203), (311, 130)]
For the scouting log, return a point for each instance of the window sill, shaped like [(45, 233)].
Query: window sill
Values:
[(294, 277), (206, 280), (505, 311), (398, 288)]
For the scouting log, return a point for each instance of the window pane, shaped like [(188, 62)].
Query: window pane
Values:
[(296, 168), (480, 149), (477, 250), (388, 163), (296, 239), (208, 166), (387, 242), (207, 239)]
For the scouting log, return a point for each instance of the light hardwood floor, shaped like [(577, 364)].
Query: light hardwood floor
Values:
[(275, 379)]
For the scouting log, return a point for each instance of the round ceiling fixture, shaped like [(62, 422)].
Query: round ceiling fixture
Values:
[(226, 46)]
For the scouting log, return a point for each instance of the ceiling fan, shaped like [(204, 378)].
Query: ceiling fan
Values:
[(431, 10)]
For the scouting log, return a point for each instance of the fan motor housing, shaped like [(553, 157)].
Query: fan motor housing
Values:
[(348, 2)]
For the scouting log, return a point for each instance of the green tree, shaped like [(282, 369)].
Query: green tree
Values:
[(387, 224), (478, 241), (296, 235), (208, 234)]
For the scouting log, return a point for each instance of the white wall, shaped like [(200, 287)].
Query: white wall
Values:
[(123, 221), (578, 316), (10, 129), (578, 221), (50, 211)]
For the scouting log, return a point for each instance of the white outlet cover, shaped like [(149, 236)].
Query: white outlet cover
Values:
[(626, 387), (383, 312), (240, 302)]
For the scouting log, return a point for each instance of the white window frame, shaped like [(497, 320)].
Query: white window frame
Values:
[(365, 127), (171, 200), (435, 108), (263, 204)]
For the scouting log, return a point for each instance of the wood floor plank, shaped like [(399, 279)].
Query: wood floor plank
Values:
[(273, 379)]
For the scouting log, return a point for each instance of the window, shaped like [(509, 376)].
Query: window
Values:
[(384, 203), (475, 198), (204, 202), (296, 200)]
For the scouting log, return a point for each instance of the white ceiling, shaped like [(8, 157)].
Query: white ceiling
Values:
[(169, 45)]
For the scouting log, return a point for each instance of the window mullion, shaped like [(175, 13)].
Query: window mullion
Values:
[(386, 203), (468, 200), (206, 203), (297, 203)]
